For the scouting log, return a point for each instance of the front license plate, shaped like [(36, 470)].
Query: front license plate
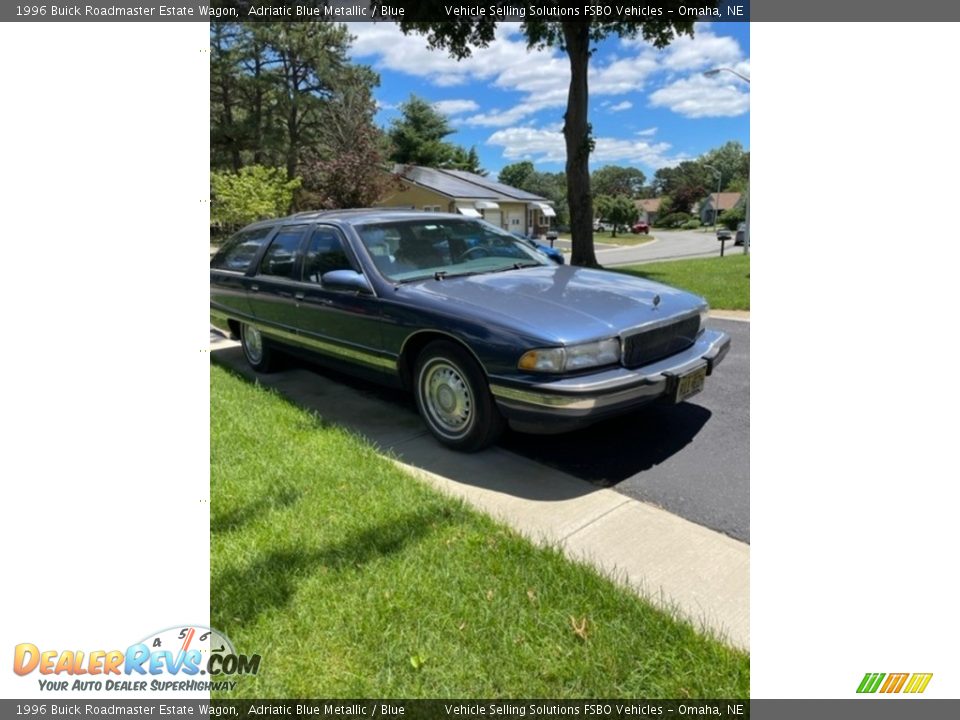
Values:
[(690, 384)]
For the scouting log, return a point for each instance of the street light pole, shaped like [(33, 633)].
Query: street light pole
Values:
[(717, 71), (746, 231)]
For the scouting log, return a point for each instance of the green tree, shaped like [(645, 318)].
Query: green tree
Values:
[(348, 167), (269, 85), (617, 210), (552, 186), (227, 129), (461, 159), (517, 175), (686, 184), (254, 193), (731, 218), (615, 180), (576, 38), (418, 135), (307, 60), (733, 163)]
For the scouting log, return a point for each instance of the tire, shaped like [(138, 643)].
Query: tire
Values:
[(454, 399), (256, 349)]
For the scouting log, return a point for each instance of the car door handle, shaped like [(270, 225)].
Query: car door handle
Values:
[(298, 296), (254, 288)]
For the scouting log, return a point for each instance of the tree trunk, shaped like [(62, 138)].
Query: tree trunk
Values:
[(576, 134), (258, 121), (293, 141)]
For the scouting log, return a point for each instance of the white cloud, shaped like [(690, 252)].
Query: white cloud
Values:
[(646, 133), (697, 96), (621, 106), (701, 51), (541, 77), (410, 54), (622, 75), (546, 145), (500, 118), (455, 107)]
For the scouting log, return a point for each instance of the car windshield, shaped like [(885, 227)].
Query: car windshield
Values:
[(407, 250)]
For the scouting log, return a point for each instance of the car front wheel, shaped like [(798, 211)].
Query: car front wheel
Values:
[(256, 349), (454, 399)]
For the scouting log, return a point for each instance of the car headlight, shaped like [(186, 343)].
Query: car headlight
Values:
[(572, 357)]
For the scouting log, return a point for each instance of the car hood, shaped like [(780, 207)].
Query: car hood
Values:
[(559, 303)]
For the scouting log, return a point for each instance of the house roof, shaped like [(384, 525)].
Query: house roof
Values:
[(462, 184), (649, 205), (727, 200)]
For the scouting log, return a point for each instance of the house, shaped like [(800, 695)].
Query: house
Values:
[(472, 195), (648, 209), (723, 201)]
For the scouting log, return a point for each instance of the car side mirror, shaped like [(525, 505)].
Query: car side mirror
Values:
[(346, 280)]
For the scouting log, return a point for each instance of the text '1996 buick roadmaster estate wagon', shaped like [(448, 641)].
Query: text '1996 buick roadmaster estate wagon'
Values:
[(484, 329)]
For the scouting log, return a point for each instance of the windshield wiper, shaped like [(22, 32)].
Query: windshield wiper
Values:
[(516, 266), (444, 274)]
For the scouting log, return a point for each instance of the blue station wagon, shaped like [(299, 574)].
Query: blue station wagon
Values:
[(484, 329)]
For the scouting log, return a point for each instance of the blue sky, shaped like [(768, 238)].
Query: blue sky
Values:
[(649, 108)]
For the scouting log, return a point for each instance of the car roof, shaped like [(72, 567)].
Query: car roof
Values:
[(357, 216)]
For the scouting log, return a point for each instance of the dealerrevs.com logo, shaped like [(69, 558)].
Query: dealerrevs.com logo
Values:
[(894, 683), (183, 658)]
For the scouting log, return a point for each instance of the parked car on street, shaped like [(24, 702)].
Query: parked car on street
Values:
[(741, 234), (640, 227), (482, 328)]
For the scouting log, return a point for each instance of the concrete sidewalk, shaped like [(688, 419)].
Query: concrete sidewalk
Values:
[(700, 574)]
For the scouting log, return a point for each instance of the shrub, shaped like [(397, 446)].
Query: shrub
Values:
[(691, 225), (733, 217), (255, 192)]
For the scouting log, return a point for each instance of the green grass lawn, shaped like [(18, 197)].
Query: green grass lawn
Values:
[(723, 281), (353, 579)]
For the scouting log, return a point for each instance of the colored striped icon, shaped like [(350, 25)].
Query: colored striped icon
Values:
[(894, 682)]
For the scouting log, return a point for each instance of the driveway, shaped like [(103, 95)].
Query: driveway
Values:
[(691, 459)]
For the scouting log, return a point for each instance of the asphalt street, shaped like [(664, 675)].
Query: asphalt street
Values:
[(668, 245), (692, 459)]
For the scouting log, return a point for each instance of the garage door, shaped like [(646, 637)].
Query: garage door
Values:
[(492, 217)]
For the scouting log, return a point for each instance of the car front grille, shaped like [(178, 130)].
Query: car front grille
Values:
[(645, 347)]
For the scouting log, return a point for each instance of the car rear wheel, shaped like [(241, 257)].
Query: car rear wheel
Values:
[(256, 350), (454, 399)]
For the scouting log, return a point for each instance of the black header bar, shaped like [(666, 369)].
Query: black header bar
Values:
[(490, 10)]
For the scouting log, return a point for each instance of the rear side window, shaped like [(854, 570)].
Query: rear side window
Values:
[(280, 258), (240, 250)]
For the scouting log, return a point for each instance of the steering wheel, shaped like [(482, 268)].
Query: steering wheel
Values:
[(474, 252)]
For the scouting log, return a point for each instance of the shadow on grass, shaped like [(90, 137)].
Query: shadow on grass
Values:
[(239, 595), (603, 454), (239, 517)]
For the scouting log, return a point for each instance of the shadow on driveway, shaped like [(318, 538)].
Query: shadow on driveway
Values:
[(520, 465), (616, 449)]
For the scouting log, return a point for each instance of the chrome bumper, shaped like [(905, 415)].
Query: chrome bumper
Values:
[(610, 391)]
